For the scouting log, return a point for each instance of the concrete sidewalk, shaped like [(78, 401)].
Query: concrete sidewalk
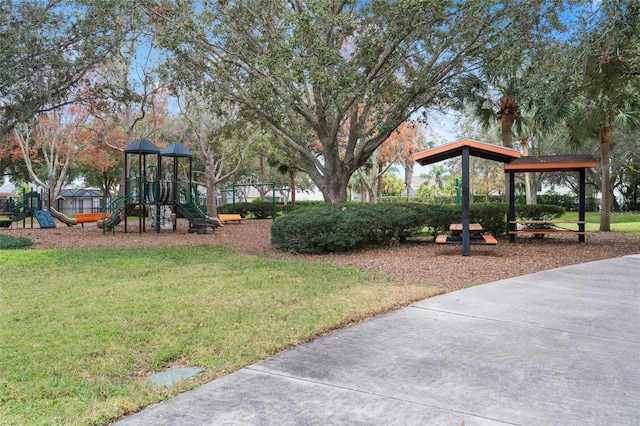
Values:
[(560, 347)]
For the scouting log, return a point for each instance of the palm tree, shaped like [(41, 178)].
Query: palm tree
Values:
[(607, 84)]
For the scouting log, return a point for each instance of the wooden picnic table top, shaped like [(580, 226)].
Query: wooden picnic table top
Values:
[(458, 227)]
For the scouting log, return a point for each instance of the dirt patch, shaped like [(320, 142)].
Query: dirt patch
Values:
[(417, 262)]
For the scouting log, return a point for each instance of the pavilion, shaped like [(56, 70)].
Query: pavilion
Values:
[(514, 163)]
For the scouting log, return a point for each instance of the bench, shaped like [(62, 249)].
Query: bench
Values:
[(539, 227), (486, 239), (231, 217), (475, 235), (442, 239), (82, 218)]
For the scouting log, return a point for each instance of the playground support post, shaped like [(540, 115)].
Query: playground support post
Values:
[(273, 197)]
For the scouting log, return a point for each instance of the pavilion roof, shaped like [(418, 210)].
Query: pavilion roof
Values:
[(551, 163), (476, 149)]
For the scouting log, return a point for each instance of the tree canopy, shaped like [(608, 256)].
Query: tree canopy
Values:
[(46, 49), (333, 79)]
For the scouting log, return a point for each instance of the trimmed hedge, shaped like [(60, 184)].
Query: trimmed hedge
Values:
[(264, 209), (14, 243), (255, 209), (342, 227)]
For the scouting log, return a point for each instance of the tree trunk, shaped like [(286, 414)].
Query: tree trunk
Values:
[(262, 189), (335, 189), (531, 188), (532, 180), (408, 174), (211, 184), (506, 123), (292, 186), (605, 190)]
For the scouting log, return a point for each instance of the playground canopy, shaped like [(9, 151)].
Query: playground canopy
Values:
[(142, 146)]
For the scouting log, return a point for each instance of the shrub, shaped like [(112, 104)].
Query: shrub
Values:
[(341, 227), (492, 217), (256, 209), (539, 211), (334, 228), (439, 217), (328, 228), (14, 243)]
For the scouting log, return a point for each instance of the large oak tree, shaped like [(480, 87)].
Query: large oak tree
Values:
[(311, 68)]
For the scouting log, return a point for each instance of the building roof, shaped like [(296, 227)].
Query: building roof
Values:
[(476, 148), (551, 163), (80, 193)]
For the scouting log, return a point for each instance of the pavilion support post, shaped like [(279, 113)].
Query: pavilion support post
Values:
[(465, 201), (581, 204), (512, 206), (127, 195)]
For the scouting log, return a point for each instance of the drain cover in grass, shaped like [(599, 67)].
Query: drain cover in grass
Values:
[(173, 376)]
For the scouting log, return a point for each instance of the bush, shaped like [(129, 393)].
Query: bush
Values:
[(492, 217), (255, 209), (334, 228), (439, 217), (330, 228), (341, 227), (14, 243), (539, 211)]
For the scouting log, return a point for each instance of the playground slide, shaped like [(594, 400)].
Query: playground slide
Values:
[(114, 219), (118, 209), (61, 217)]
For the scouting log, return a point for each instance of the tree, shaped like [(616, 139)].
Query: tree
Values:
[(101, 167), (309, 68), (125, 94), (409, 139), (219, 140), (607, 84), (52, 140), (46, 49)]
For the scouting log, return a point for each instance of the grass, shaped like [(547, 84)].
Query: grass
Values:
[(81, 331), (625, 222)]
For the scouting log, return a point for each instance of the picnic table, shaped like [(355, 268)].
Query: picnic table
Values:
[(476, 235)]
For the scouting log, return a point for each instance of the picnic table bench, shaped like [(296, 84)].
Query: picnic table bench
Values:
[(540, 227), (476, 237), (230, 217)]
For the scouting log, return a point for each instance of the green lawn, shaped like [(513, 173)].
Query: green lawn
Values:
[(627, 222), (81, 331)]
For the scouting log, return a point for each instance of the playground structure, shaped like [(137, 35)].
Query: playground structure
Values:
[(28, 206), (150, 191), (149, 186)]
